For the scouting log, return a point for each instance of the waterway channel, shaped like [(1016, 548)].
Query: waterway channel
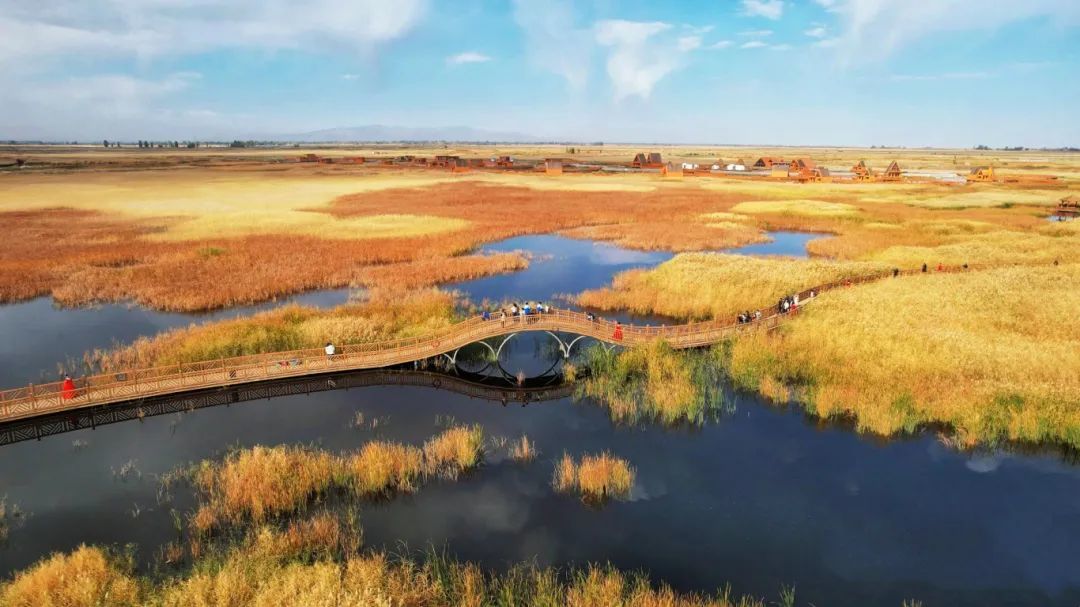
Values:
[(763, 496)]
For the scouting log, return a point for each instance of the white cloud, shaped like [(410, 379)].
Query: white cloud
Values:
[(753, 44), (689, 43), (89, 107), (756, 33), (721, 44), (43, 43), (704, 29), (827, 43), (637, 60), (351, 76), (553, 40), (152, 28), (826, 4), (818, 31), (770, 9), (467, 57), (780, 47), (876, 29)]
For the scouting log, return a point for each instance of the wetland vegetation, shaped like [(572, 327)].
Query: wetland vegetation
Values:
[(990, 352)]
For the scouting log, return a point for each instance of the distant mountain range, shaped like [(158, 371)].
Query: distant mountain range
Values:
[(378, 132)]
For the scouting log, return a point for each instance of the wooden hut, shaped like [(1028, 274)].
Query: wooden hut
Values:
[(553, 166), (983, 173), (444, 161), (861, 172), (814, 175), (504, 162), (893, 173), (652, 160), (767, 162)]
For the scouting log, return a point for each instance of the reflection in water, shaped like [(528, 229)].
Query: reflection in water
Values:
[(758, 499)]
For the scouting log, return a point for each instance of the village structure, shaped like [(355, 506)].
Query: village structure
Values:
[(799, 170)]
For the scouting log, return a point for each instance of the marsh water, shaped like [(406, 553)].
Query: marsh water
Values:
[(761, 496)]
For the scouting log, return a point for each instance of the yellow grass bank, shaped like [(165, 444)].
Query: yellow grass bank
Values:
[(994, 353)]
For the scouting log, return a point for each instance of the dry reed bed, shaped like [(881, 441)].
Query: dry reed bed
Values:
[(595, 478), (83, 256), (387, 314), (263, 483), (118, 247), (266, 570), (523, 449), (712, 285), (994, 353), (653, 383)]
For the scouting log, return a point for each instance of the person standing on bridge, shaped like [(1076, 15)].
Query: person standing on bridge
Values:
[(617, 335), (67, 390), (330, 350)]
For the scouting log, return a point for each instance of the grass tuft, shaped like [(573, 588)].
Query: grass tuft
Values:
[(595, 478)]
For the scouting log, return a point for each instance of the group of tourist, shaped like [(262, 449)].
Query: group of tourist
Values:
[(789, 304), (515, 309), (748, 316)]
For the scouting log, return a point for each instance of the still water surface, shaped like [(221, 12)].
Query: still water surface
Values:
[(759, 498)]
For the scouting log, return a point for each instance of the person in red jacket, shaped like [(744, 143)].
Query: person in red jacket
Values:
[(67, 391), (618, 331)]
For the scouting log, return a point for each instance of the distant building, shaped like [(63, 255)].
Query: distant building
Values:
[(444, 161), (652, 160), (893, 173), (553, 166), (861, 172), (983, 173), (767, 162)]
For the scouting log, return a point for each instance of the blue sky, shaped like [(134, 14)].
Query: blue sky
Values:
[(832, 72)]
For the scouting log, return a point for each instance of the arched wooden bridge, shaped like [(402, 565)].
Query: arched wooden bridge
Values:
[(124, 386)]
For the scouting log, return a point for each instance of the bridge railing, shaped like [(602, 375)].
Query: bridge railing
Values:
[(133, 383)]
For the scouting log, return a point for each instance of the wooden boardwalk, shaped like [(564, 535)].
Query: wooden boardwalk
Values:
[(94, 416), (109, 388)]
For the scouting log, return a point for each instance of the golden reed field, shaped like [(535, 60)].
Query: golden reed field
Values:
[(991, 351)]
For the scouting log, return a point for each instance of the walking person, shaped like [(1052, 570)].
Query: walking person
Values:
[(924, 268), (330, 350), (617, 335), (67, 390)]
